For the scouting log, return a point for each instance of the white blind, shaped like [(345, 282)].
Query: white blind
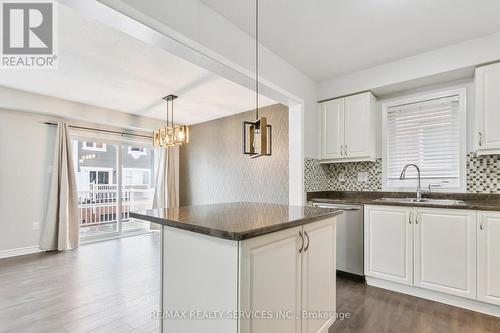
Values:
[(425, 133)]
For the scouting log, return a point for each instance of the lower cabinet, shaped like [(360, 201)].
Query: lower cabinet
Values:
[(289, 273), (318, 275), (424, 247), (445, 251), (488, 257), (389, 243)]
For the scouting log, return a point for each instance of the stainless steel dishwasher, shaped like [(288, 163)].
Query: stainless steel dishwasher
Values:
[(349, 238)]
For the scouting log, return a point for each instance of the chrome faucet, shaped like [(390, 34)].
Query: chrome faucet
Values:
[(403, 176)]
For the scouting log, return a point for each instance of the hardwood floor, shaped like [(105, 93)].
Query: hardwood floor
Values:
[(112, 286), (379, 310)]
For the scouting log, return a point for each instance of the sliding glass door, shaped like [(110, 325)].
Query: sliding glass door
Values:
[(137, 184), (113, 178)]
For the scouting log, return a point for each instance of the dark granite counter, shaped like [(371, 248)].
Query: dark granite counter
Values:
[(235, 221), (472, 201)]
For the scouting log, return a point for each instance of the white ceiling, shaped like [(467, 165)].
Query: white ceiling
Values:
[(326, 38), (102, 67)]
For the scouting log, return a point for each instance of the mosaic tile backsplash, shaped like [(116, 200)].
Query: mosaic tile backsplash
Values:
[(483, 175), (342, 176)]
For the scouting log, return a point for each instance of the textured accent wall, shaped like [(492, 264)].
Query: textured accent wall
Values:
[(483, 175), (212, 167)]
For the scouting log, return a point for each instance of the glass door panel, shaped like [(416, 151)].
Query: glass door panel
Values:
[(96, 166), (137, 184)]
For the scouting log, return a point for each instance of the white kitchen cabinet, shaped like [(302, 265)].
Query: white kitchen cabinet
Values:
[(319, 274), (350, 129), (290, 272), (389, 243), (332, 120), (445, 251), (358, 123), (271, 280), (487, 82), (488, 257)]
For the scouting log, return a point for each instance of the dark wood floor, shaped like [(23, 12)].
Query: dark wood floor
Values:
[(378, 310), (112, 286)]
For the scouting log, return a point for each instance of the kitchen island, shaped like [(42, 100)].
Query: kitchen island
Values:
[(246, 267)]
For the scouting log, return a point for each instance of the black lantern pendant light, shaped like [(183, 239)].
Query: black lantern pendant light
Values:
[(257, 135)]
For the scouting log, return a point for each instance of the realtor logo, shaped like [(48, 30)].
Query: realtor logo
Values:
[(28, 34)]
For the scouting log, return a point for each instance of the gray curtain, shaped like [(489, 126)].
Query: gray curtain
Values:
[(61, 230), (165, 188)]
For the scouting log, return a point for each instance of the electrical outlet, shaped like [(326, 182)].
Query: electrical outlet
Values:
[(341, 177), (362, 176), (36, 226)]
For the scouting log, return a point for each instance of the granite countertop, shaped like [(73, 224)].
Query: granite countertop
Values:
[(471, 201), (235, 221)]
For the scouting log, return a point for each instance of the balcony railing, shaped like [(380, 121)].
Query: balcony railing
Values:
[(100, 205)]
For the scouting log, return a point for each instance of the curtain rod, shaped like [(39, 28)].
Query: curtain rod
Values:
[(101, 130)]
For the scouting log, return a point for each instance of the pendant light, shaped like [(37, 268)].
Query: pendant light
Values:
[(170, 135), (257, 135)]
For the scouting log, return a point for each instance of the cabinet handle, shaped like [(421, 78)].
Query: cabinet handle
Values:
[(307, 246), (480, 134), (345, 149), (301, 242), (481, 223), (341, 150), (416, 218), (410, 217)]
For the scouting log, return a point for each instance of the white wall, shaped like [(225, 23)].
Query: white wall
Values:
[(13, 99), (454, 58), (26, 147), (26, 153)]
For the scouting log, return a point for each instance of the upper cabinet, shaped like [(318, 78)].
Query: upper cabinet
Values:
[(488, 109), (350, 129)]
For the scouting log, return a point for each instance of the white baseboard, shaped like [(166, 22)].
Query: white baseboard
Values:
[(20, 251), (460, 302)]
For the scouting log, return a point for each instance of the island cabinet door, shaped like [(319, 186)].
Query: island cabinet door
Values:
[(270, 282), (445, 251), (488, 257), (318, 277), (389, 243)]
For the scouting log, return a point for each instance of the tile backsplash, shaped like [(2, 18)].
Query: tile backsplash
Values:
[(342, 176), (483, 174)]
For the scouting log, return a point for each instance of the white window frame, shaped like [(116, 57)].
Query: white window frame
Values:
[(94, 147), (462, 95)]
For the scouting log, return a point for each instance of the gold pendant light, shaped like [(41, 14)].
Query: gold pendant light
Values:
[(257, 135), (170, 135)]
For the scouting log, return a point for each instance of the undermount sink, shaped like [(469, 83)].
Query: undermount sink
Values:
[(445, 202)]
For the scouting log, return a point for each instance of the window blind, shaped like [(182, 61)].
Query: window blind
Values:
[(425, 133)]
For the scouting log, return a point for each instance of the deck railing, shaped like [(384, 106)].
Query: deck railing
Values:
[(100, 204)]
